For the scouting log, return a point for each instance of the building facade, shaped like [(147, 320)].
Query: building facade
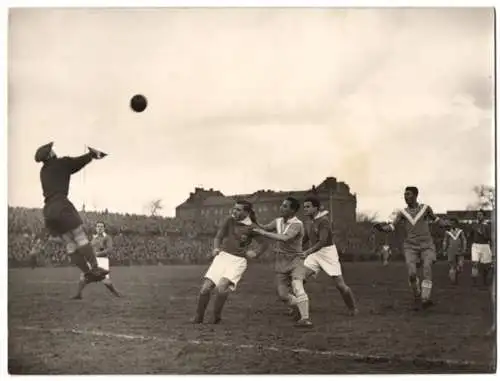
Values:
[(214, 206)]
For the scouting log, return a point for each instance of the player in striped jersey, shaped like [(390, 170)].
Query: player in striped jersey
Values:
[(102, 244), (231, 250), (288, 230), (454, 247), (418, 245)]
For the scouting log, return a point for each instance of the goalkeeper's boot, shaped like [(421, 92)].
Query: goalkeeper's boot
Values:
[(304, 323)]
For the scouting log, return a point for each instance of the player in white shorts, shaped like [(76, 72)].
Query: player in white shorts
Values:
[(481, 254), (231, 250), (102, 244), (322, 253)]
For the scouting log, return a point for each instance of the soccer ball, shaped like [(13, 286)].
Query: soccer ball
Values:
[(138, 103)]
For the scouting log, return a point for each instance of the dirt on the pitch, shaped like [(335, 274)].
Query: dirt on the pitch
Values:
[(148, 330)]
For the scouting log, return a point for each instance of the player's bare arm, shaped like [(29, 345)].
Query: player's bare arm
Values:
[(290, 234), (270, 227)]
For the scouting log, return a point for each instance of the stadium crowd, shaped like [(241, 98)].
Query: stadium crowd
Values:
[(153, 240)]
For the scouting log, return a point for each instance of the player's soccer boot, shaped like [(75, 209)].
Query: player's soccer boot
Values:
[(353, 312), (96, 274), (294, 313), (197, 320), (216, 320), (304, 323), (427, 304), (77, 297)]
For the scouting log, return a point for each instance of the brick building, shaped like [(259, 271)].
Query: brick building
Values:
[(214, 206)]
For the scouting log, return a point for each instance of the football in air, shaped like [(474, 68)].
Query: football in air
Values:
[(138, 103)]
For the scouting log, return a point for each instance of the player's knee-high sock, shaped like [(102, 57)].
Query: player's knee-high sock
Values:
[(292, 300), (203, 300), (348, 297), (475, 272), (427, 282), (109, 285), (79, 260), (81, 285), (413, 282), (220, 300), (453, 275), (487, 269), (302, 300)]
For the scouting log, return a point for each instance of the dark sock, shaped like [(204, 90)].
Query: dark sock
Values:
[(220, 300), (112, 289), (203, 300), (348, 297)]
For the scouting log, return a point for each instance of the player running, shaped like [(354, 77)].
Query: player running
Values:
[(481, 254), (102, 244), (231, 250), (454, 247), (61, 217), (288, 230), (385, 254), (418, 245), (322, 253)]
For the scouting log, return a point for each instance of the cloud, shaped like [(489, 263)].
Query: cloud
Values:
[(248, 99)]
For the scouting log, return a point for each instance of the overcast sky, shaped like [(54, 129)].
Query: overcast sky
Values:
[(241, 100)]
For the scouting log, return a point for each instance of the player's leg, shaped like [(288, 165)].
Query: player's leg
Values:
[(453, 267), (83, 254), (411, 258), (328, 259), (485, 263), (233, 271), (81, 285), (299, 273), (428, 258), (103, 263), (346, 293), (203, 299), (475, 254), (283, 284)]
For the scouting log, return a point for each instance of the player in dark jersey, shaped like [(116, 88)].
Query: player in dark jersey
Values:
[(481, 253), (61, 217), (231, 250), (322, 253), (103, 245), (418, 244)]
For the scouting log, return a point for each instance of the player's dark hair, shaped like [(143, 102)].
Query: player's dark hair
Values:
[(248, 207), (100, 222), (314, 201), (412, 189), (294, 203)]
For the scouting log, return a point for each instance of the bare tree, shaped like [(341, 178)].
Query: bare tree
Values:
[(485, 197), (155, 206), (363, 217)]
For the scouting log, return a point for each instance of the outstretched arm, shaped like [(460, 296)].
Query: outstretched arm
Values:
[(390, 225), (291, 233), (74, 164)]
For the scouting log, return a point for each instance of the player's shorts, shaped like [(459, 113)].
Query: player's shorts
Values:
[(454, 257), (481, 253), (326, 259), (61, 216), (415, 255), (227, 266), (292, 268)]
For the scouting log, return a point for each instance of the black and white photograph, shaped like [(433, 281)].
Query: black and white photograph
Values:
[(251, 190)]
